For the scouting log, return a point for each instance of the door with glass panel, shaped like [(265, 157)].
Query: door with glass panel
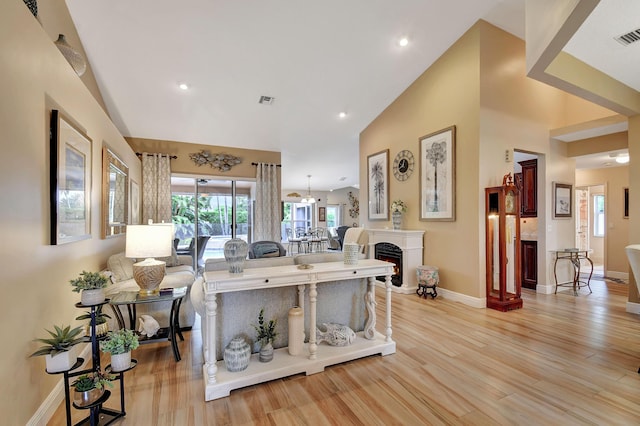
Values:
[(222, 211)]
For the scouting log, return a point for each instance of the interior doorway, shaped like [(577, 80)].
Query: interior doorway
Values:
[(591, 233)]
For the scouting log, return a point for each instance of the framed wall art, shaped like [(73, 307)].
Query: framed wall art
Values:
[(322, 214), (378, 185), (626, 203), (70, 181), (438, 175), (562, 200)]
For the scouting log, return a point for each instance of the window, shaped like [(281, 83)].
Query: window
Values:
[(296, 215), (333, 216), (598, 215)]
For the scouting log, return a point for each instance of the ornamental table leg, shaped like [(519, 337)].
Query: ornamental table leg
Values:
[(370, 304), (313, 297), (387, 285), (209, 337)]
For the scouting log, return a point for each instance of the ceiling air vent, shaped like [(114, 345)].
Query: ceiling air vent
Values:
[(266, 100), (628, 38)]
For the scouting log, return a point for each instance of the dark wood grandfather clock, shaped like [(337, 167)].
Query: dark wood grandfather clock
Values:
[(502, 205)]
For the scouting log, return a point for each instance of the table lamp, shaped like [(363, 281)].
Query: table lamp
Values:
[(146, 242)]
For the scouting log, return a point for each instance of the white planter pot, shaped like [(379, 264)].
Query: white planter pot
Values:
[(120, 362), (60, 362), (92, 297)]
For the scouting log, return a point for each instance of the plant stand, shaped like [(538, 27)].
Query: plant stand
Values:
[(98, 415)]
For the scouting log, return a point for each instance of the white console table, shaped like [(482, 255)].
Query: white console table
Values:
[(219, 382)]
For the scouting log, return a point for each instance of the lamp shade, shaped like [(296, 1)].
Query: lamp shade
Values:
[(145, 241)]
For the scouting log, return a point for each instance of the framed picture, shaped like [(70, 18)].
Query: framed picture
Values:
[(322, 214), (378, 185), (438, 175), (135, 203), (70, 181), (626, 203), (562, 201)]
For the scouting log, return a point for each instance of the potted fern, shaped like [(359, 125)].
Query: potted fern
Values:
[(265, 334), (58, 348), (91, 286), (88, 388), (119, 344)]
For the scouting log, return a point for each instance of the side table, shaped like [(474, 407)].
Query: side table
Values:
[(574, 256), (132, 298)]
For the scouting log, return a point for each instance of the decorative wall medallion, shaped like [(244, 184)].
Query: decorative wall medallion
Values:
[(403, 165), (222, 162)]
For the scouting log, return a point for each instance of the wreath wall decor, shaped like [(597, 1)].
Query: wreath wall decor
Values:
[(222, 162)]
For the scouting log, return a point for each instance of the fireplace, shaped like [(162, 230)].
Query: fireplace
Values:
[(403, 248), (393, 254)]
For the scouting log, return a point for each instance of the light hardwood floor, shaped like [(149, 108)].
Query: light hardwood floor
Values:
[(561, 360)]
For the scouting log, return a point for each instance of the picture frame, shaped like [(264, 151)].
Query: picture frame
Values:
[(378, 185), (626, 203), (135, 202), (562, 200), (438, 175), (322, 214), (69, 180)]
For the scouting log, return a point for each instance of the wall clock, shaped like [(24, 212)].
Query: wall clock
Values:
[(403, 165)]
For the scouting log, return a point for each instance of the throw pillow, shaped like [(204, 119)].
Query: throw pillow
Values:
[(121, 267), (171, 260)]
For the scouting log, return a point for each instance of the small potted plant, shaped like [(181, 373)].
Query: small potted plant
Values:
[(265, 334), (88, 388), (119, 344), (398, 207), (57, 350), (91, 286), (102, 327)]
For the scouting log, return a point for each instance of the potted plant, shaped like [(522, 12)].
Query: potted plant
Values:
[(57, 350), (398, 207), (102, 327), (88, 388), (265, 334), (91, 286), (119, 344)]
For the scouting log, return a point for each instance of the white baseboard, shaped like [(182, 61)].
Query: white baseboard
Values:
[(51, 403), (618, 275), (475, 302), (545, 288), (633, 307)]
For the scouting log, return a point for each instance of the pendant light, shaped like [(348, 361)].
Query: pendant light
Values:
[(308, 198)]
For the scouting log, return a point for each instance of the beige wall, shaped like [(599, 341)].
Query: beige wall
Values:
[(634, 202), (341, 197), (184, 165), (479, 85), (446, 94), (614, 180), (34, 278)]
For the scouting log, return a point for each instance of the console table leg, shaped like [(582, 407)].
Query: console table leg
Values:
[(313, 297), (387, 284), (211, 307), (301, 305)]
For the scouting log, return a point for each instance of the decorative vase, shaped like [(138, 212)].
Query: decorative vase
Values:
[(296, 330), (92, 297), (86, 398), (120, 362), (235, 253), (266, 352), (351, 252), (396, 218), (237, 355)]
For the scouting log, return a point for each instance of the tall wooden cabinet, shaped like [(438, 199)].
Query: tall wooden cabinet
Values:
[(529, 264), (528, 181)]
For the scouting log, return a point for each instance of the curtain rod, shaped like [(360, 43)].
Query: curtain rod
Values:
[(173, 157), (255, 164)]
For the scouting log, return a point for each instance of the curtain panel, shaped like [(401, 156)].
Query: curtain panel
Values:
[(156, 188), (267, 218)]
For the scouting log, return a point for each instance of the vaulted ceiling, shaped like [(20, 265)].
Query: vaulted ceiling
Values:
[(315, 59)]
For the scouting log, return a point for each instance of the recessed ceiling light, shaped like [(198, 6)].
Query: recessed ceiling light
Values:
[(183, 86), (403, 42), (342, 115)]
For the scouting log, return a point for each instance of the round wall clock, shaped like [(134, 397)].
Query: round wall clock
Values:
[(403, 165)]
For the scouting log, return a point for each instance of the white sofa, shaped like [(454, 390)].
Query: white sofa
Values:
[(338, 302), (179, 273)]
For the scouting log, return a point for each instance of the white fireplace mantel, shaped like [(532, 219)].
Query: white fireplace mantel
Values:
[(411, 244)]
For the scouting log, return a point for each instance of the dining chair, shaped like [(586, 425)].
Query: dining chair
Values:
[(293, 241)]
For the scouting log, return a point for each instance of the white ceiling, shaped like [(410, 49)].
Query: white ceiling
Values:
[(315, 58)]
